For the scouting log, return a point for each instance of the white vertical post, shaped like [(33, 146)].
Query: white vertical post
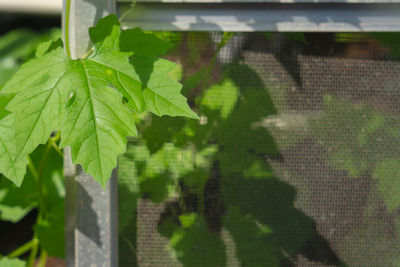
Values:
[(91, 211)]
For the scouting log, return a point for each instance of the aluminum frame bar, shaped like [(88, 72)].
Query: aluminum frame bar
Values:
[(295, 17)]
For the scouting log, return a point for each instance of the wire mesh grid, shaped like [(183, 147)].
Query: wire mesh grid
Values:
[(295, 160)]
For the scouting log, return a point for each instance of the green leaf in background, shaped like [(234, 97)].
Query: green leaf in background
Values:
[(369, 135), (221, 97), (128, 187), (6, 262), (156, 181), (194, 244), (289, 227), (161, 131), (297, 36), (19, 45), (389, 39), (15, 202), (51, 231), (13, 169), (348, 37), (254, 245), (387, 172), (92, 100)]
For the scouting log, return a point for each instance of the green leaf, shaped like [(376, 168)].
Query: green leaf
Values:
[(15, 202), (195, 245), (33, 71), (254, 245), (97, 122), (388, 174), (92, 100), (13, 214), (48, 46), (40, 109), (4, 100), (17, 43), (7, 262), (128, 191), (51, 231), (9, 167), (221, 97), (134, 40), (162, 95), (105, 35)]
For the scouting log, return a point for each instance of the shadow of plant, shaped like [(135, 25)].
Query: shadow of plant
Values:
[(236, 189)]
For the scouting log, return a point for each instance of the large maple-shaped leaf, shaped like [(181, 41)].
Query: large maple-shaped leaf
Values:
[(91, 100), (97, 121)]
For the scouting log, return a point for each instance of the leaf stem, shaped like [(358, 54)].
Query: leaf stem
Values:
[(66, 30), (88, 53), (22, 249), (53, 141), (32, 168), (131, 8)]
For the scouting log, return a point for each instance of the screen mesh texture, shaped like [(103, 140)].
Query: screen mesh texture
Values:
[(295, 160)]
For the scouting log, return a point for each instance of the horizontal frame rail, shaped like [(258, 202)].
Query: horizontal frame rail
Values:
[(225, 15), (249, 17)]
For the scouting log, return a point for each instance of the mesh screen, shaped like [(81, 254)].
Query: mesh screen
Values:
[(295, 160)]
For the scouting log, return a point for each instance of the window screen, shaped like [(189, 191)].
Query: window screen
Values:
[(295, 159)]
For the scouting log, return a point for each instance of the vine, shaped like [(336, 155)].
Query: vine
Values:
[(89, 104)]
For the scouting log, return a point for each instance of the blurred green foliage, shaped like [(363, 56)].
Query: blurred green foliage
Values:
[(6, 262), (363, 142), (43, 189), (19, 45)]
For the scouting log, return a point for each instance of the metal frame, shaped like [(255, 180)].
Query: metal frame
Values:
[(243, 15), (305, 17)]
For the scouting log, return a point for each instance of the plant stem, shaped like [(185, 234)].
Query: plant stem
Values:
[(132, 6), (35, 241), (225, 38), (66, 30), (42, 259), (41, 189), (38, 174), (22, 249), (34, 251), (32, 168), (53, 141)]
